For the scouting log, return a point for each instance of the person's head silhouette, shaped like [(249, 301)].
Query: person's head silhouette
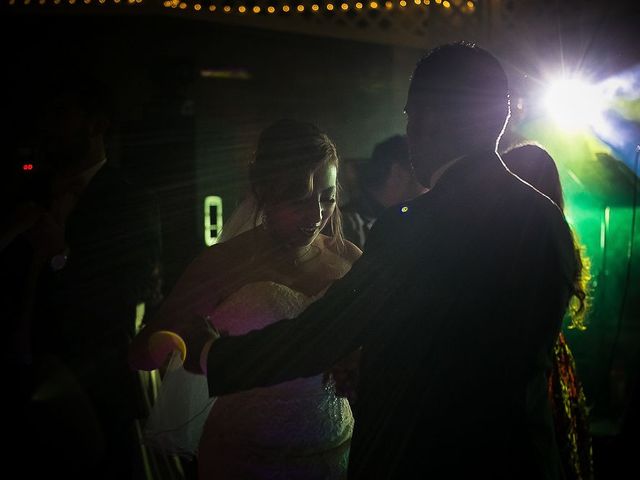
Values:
[(388, 175), (458, 103)]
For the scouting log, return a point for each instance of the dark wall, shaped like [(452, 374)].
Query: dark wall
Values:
[(186, 134)]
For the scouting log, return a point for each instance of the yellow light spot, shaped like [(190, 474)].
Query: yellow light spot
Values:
[(471, 5), (71, 2), (358, 5), (315, 7), (417, 2), (116, 1), (197, 7), (227, 9), (271, 9), (212, 8), (183, 5), (344, 7), (403, 3), (242, 9), (167, 3), (373, 4), (446, 4), (388, 5), (427, 2), (438, 2), (102, 2), (300, 8), (256, 9), (330, 6), (286, 8), (87, 2)]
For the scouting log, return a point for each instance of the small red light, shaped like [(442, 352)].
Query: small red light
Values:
[(27, 166)]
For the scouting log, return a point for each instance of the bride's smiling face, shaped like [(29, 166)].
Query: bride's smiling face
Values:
[(298, 220)]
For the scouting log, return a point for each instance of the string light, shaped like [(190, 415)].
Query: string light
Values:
[(465, 6)]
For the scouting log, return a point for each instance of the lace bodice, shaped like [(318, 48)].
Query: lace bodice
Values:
[(302, 415)]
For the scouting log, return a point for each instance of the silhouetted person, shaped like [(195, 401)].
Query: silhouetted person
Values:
[(386, 179), (79, 256), (535, 166)]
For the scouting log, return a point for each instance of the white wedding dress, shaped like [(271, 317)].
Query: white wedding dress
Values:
[(295, 430)]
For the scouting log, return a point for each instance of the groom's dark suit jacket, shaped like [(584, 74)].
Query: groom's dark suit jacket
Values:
[(456, 302)]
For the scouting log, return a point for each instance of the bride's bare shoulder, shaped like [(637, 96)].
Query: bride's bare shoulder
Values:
[(348, 252)]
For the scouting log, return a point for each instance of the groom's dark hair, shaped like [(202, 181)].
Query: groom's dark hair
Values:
[(466, 82)]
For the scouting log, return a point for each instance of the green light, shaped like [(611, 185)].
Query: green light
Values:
[(212, 220), (404, 209), (140, 309)]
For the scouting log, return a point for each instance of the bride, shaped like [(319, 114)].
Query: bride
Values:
[(273, 264)]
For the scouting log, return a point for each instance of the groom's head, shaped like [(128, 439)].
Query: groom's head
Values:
[(458, 103)]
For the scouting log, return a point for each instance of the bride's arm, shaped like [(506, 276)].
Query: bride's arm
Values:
[(198, 291)]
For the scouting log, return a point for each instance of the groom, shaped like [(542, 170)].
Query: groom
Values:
[(456, 302)]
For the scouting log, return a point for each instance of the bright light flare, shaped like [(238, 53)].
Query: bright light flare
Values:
[(574, 104)]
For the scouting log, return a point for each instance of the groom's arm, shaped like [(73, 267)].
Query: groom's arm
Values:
[(325, 332)]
